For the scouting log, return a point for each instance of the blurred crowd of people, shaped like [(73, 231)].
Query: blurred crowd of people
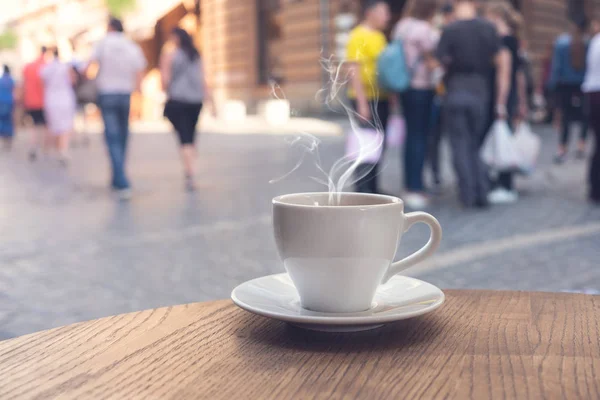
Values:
[(469, 68), (52, 91)]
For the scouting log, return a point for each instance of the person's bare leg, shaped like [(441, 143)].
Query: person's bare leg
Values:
[(48, 140), (7, 143), (52, 144), (62, 146), (37, 141), (559, 125), (79, 135), (85, 134), (188, 155), (557, 121), (581, 143)]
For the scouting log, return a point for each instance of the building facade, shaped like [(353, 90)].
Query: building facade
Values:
[(75, 26), (250, 45)]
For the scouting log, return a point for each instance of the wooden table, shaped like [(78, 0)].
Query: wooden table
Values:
[(479, 345)]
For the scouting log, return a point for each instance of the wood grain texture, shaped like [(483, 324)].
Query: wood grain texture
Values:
[(479, 345)]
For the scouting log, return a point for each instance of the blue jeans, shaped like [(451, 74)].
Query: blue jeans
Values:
[(417, 106), (435, 138), (115, 113), (368, 174)]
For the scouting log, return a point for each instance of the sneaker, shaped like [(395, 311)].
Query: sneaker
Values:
[(560, 159), (124, 194), (190, 184), (416, 201), (503, 196), (436, 189)]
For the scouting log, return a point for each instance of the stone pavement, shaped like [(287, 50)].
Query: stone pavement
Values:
[(69, 252)]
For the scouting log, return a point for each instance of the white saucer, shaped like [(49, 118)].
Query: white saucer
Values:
[(276, 297)]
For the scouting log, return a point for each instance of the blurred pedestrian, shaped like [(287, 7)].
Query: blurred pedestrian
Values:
[(567, 75), (365, 44), (549, 94), (420, 38), (86, 94), (121, 68), (591, 87), (467, 51), (33, 102), (59, 103), (7, 106), (437, 127), (510, 87), (184, 80)]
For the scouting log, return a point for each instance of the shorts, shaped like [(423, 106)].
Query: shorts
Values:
[(184, 118), (37, 115)]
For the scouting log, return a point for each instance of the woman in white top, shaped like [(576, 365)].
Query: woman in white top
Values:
[(59, 103), (184, 81), (420, 39), (591, 86)]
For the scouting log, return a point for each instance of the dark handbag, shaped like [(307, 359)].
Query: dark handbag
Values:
[(87, 91), (168, 109)]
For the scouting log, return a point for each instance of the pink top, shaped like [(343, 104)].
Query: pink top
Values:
[(33, 87), (419, 37)]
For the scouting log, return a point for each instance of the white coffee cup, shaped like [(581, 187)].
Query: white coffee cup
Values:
[(337, 256)]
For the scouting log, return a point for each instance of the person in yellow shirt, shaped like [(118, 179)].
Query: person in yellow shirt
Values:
[(366, 42)]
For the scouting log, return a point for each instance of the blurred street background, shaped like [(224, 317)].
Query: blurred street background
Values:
[(70, 252)]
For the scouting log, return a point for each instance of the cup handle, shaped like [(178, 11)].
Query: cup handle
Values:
[(434, 242)]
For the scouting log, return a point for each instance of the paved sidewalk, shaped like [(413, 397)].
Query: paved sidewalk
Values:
[(69, 252), (251, 125)]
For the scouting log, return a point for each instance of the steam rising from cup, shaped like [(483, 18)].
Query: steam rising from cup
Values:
[(342, 173)]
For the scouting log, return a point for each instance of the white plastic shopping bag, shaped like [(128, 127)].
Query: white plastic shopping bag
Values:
[(396, 131), (528, 146), (364, 144), (499, 151)]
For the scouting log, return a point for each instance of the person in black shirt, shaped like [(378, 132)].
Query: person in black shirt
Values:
[(467, 51), (509, 84), (435, 137)]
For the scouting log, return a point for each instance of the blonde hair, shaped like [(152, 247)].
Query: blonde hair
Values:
[(421, 9), (508, 14)]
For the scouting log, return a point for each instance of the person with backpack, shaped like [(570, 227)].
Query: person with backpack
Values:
[(185, 83), (7, 107), (365, 44), (419, 38), (566, 77), (591, 87), (467, 51)]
